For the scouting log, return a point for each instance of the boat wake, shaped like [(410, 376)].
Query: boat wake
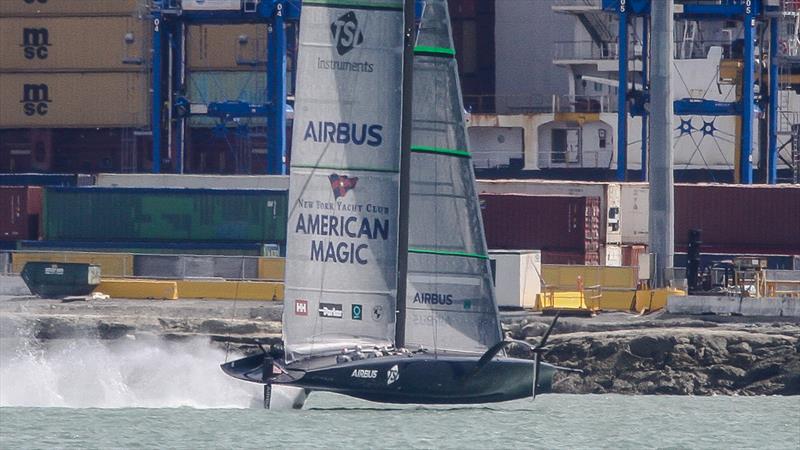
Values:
[(126, 373)]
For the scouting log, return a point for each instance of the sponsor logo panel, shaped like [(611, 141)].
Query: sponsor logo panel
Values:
[(356, 311), (392, 375), (325, 132), (377, 313), (364, 373), (342, 231), (433, 298), (301, 307), (331, 310)]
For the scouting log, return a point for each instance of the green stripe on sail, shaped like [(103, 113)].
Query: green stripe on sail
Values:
[(357, 169), (357, 4), (440, 151), (423, 251), (434, 51)]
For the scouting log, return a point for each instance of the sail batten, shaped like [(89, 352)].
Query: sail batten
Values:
[(341, 252), (441, 151)]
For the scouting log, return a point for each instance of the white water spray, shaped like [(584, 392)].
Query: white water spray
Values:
[(127, 373)]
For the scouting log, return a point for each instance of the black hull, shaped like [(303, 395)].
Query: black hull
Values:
[(418, 378)]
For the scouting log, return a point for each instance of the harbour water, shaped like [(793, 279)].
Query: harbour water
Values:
[(148, 394)]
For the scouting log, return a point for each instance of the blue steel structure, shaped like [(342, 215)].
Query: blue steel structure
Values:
[(746, 11), (169, 26)]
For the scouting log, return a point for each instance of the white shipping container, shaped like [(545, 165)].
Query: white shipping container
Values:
[(635, 206), (612, 256), (517, 276)]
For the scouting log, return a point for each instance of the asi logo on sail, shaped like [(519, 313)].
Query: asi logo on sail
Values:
[(346, 33)]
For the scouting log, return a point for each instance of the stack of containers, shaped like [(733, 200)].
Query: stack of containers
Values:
[(227, 62), (20, 210), (565, 229), (602, 237), (73, 73)]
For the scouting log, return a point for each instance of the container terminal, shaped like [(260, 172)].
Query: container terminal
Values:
[(151, 139)]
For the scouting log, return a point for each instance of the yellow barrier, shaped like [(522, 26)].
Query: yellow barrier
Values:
[(618, 300), (653, 300), (271, 268), (565, 278), (111, 264), (565, 301), (138, 289), (640, 301), (230, 290)]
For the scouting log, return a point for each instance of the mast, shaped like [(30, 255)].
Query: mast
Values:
[(405, 167)]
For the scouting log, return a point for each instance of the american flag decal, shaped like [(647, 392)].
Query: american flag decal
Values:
[(342, 184)]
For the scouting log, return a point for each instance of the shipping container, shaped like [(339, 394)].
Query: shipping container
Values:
[(554, 225), (20, 210), (634, 213), (739, 219), (28, 8), (78, 44), (159, 248), (73, 100), (45, 179), (226, 47), (630, 254), (609, 195), (172, 181), (165, 215)]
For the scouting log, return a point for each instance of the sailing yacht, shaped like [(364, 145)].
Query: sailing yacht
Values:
[(389, 295)]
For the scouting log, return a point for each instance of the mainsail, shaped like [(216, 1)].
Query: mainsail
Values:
[(450, 303), (341, 253)]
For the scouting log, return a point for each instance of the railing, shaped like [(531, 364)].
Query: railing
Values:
[(786, 119), (490, 159), (589, 3), (583, 104), (790, 6), (521, 104), (578, 159), (490, 104), (609, 51), (700, 49), (583, 50)]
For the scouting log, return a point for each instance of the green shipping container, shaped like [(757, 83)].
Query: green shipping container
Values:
[(164, 215)]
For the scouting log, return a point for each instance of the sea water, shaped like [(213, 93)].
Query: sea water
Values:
[(135, 393)]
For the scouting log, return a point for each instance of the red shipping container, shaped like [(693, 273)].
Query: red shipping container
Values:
[(556, 225), (630, 254), (20, 211), (739, 219)]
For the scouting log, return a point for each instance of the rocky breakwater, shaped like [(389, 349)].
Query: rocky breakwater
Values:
[(679, 356)]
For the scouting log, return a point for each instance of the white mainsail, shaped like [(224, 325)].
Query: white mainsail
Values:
[(341, 253), (450, 303)]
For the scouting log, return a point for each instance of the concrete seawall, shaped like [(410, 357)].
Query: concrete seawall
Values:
[(13, 285), (743, 306)]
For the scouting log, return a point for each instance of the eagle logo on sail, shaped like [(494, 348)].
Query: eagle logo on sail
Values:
[(342, 184)]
